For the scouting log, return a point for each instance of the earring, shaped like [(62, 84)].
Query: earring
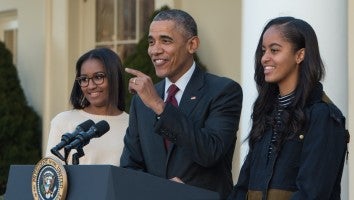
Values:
[(83, 102)]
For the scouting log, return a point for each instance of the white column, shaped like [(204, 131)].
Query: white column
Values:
[(351, 94), (56, 73), (329, 19)]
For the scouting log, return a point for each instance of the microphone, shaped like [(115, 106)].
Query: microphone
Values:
[(83, 138), (68, 137)]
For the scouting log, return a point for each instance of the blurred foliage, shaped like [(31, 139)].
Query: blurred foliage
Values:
[(140, 60), (20, 126)]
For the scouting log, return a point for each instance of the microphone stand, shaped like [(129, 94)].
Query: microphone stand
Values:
[(57, 154), (76, 156), (66, 154)]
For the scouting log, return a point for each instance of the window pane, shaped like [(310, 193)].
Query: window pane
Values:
[(125, 50), (104, 20), (111, 47), (126, 20), (119, 27)]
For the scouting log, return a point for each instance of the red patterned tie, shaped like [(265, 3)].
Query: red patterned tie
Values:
[(172, 90)]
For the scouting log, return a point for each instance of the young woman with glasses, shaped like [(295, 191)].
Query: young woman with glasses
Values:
[(97, 94)]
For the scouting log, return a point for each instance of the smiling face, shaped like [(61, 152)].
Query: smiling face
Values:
[(97, 95), (280, 61), (170, 50)]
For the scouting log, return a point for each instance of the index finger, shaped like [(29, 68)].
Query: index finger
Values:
[(134, 72)]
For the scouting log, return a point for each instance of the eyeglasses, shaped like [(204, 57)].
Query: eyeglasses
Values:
[(97, 79)]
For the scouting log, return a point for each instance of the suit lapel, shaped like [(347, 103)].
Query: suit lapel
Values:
[(193, 92)]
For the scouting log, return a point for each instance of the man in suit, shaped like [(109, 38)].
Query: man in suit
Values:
[(199, 129)]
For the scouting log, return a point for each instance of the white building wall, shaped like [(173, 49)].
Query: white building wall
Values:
[(30, 57), (329, 19), (160, 3)]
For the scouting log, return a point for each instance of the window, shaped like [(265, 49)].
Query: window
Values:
[(8, 32), (121, 23)]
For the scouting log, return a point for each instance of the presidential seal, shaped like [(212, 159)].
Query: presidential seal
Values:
[(49, 180)]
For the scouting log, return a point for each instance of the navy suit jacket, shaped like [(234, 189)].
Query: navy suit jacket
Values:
[(202, 131)]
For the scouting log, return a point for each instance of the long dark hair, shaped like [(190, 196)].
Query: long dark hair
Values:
[(301, 35), (114, 76)]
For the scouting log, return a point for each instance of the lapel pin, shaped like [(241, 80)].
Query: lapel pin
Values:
[(193, 97), (301, 137)]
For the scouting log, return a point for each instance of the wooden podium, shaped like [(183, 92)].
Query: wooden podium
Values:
[(106, 182)]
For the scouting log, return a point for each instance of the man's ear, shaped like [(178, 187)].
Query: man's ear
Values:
[(193, 44), (300, 55)]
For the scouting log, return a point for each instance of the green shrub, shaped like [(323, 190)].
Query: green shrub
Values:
[(20, 126), (141, 61)]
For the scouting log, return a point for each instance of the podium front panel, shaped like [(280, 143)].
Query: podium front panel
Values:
[(106, 182)]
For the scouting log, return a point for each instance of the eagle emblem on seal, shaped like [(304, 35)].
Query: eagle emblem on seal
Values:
[(48, 186)]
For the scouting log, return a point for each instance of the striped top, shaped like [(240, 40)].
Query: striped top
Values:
[(283, 102)]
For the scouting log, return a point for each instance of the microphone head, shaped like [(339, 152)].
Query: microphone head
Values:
[(85, 126), (102, 127)]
